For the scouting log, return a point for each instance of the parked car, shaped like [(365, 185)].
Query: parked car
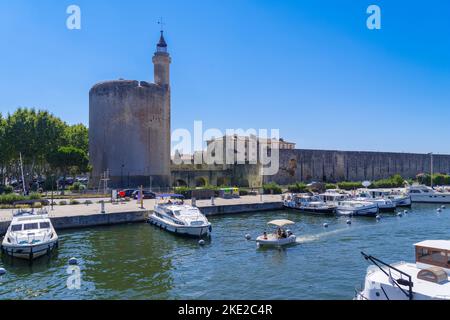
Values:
[(147, 194), (126, 193)]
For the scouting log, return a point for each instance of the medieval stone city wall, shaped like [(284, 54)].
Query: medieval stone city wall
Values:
[(333, 166)]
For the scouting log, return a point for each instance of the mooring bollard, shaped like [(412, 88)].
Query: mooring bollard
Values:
[(102, 205), (212, 201), (193, 202)]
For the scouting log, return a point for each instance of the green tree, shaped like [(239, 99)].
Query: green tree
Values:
[(77, 136), (69, 160)]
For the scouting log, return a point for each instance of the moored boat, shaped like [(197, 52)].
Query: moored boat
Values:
[(309, 204), (357, 208), (172, 214), (427, 279), (427, 195), (30, 234)]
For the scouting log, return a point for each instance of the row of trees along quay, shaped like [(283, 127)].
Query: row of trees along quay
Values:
[(47, 146)]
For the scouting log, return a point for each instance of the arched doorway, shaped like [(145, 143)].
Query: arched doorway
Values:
[(180, 183), (200, 182)]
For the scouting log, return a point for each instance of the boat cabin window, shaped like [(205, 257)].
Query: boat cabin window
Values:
[(16, 227), (176, 212), (30, 226), (433, 274), (44, 225), (414, 191), (434, 257)]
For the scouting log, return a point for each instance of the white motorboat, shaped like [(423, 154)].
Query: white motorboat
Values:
[(309, 204), (281, 237), (427, 279), (172, 214), (30, 234), (357, 208), (334, 196), (427, 195), (399, 198), (384, 204)]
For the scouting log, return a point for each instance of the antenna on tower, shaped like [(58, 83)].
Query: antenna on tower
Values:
[(161, 23)]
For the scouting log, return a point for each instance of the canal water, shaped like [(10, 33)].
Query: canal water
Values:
[(138, 261)]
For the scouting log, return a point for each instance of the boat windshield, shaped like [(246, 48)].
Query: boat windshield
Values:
[(16, 227), (30, 226)]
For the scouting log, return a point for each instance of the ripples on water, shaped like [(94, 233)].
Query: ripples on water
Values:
[(138, 261)]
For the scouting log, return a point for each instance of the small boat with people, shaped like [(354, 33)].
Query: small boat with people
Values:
[(426, 279), (357, 208), (309, 204), (172, 214), (425, 194), (280, 237), (30, 234)]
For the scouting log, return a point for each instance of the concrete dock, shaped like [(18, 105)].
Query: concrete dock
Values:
[(82, 215)]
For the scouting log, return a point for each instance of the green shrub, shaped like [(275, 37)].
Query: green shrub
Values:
[(272, 188), (330, 186), (346, 185), (11, 198), (184, 191), (243, 192), (298, 187), (77, 186), (8, 189), (74, 202)]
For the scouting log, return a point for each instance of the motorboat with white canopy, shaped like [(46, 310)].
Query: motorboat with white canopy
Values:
[(427, 279), (30, 234), (172, 214), (281, 237)]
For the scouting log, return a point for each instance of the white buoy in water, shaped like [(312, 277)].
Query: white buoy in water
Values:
[(405, 211), (399, 214), (325, 225), (378, 217), (349, 221), (438, 209), (201, 242), (2, 271), (248, 237), (73, 261), (442, 207)]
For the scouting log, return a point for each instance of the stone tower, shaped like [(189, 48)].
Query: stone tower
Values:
[(129, 128)]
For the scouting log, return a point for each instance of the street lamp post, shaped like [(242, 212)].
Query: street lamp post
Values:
[(431, 169)]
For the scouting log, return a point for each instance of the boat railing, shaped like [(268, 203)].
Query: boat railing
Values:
[(404, 280)]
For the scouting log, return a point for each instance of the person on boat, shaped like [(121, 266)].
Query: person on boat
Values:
[(265, 235), (279, 233)]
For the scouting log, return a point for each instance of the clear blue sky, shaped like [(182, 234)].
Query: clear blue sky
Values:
[(310, 68)]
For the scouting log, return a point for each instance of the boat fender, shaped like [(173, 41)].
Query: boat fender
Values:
[(248, 237)]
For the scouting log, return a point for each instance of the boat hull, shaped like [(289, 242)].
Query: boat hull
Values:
[(190, 231), (260, 241), (29, 252), (319, 211), (363, 212), (434, 198)]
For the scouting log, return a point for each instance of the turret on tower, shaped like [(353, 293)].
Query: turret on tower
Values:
[(161, 61)]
